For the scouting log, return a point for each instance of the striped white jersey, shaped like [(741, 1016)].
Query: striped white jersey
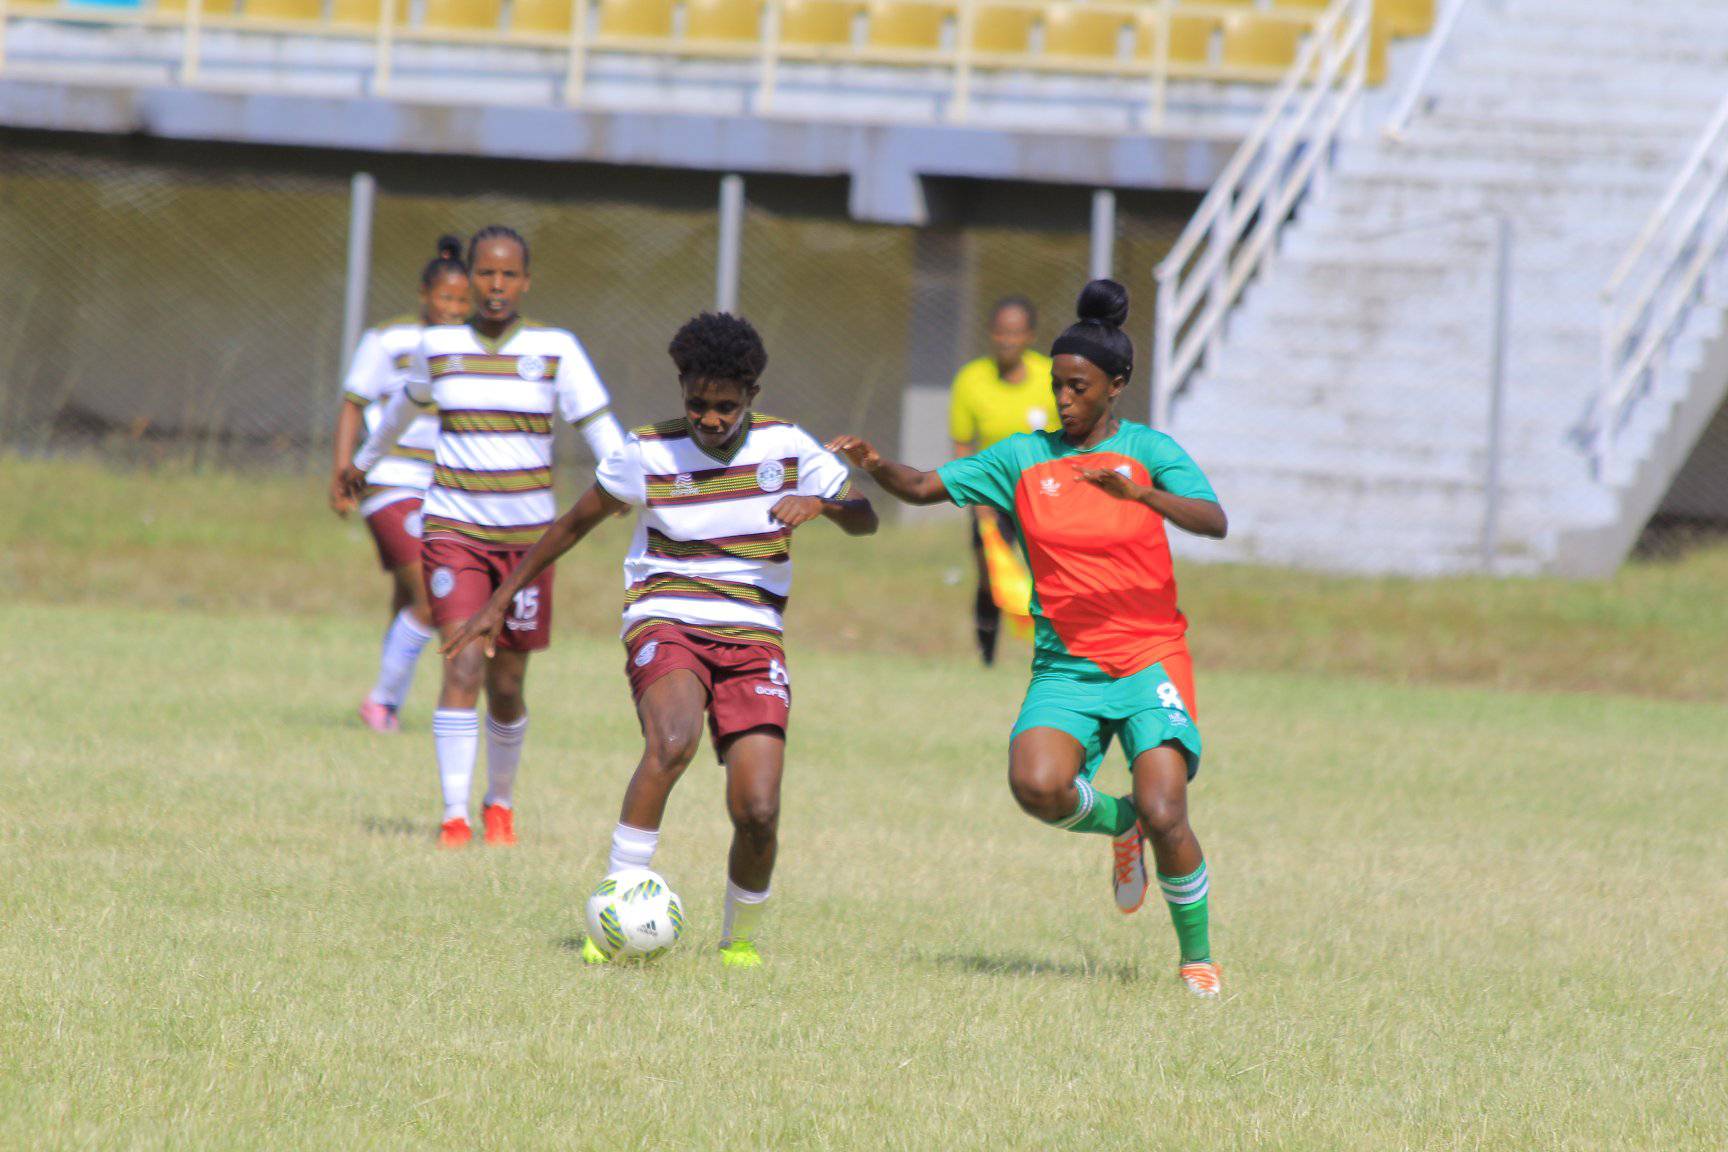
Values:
[(379, 369), (706, 554), (492, 480)]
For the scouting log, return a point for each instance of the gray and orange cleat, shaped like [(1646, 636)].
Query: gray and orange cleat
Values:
[(1202, 977), (1129, 872)]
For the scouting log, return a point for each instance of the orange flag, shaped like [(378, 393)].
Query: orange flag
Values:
[(1010, 583)]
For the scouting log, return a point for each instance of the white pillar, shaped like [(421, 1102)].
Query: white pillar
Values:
[(731, 243), (363, 192)]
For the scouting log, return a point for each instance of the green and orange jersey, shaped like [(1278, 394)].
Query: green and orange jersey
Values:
[(1104, 592)]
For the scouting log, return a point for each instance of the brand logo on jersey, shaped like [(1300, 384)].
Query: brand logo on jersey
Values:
[(775, 691), (531, 367), (685, 485), (646, 656), (412, 524), (1036, 418), (1051, 486), (443, 582), (770, 475)]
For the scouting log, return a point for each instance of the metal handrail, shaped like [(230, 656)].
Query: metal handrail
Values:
[(960, 59), (1652, 289), (1252, 199), (1431, 53)]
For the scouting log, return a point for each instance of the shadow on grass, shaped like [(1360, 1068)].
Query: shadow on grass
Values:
[(981, 964), (396, 826)]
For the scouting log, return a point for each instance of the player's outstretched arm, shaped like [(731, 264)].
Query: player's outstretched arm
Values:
[(1201, 517), (564, 534), (854, 514), (907, 485)]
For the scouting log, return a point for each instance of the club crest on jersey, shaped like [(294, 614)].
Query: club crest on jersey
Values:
[(770, 475), (646, 656), (1051, 486), (531, 367), (412, 524), (443, 582)]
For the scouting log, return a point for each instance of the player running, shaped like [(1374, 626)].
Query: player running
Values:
[(719, 493), (1110, 658), (496, 381), (396, 486)]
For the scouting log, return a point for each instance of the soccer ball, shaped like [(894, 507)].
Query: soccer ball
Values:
[(634, 915)]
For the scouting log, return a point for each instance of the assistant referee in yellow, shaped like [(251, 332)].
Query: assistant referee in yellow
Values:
[(995, 397)]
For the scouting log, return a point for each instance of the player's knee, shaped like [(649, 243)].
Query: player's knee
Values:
[(756, 818), (1161, 814), (671, 751), (1040, 792)]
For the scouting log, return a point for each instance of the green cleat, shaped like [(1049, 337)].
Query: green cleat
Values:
[(591, 953), (740, 954)]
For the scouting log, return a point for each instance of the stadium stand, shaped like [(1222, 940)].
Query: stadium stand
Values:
[(1345, 409)]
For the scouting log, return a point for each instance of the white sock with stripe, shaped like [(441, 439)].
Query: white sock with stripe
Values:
[(503, 756), (456, 736), (743, 913), (403, 641), (632, 847)]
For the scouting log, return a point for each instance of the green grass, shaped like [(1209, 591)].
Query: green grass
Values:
[(1451, 915)]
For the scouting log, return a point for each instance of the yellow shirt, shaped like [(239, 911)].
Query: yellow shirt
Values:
[(985, 408)]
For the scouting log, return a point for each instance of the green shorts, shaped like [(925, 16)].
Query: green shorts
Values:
[(1145, 710)]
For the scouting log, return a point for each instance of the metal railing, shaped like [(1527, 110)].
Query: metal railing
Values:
[(1418, 84), (1236, 229), (1652, 290), (1129, 40)]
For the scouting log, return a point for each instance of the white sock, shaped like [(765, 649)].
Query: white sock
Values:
[(743, 913), (402, 643), (632, 847), (456, 735), (503, 754)]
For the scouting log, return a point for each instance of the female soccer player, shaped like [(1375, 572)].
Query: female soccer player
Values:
[(1110, 657), (496, 382), (396, 487), (993, 398), (709, 570)]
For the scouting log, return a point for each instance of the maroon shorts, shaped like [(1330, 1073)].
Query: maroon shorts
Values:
[(747, 684), (462, 575), (396, 531)]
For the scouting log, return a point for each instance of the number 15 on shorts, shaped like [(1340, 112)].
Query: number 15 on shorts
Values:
[(524, 608)]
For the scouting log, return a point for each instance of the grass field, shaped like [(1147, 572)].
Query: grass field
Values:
[(1470, 869)]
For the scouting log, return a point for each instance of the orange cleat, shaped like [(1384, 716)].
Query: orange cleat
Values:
[(1202, 977), (500, 824), (455, 833)]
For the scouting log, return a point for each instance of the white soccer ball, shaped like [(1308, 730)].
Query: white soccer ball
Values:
[(634, 915)]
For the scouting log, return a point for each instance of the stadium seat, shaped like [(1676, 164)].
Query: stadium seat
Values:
[(1191, 39), (1406, 17), (1001, 31), (1256, 42), (541, 17), (1071, 32), (210, 7), (1303, 5), (303, 11), (908, 24), (723, 21), (359, 11), (818, 23), (636, 19), (463, 15)]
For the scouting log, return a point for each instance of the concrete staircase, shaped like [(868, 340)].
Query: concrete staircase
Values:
[(1345, 422)]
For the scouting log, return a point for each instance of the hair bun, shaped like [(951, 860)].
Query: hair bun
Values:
[(1103, 302), (449, 247)]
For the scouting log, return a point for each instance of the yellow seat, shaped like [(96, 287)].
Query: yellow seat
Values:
[(360, 11), (209, 7), (723, 21), (916, 26), (636, 19), (310, 11), (1072, 32), (1258, 43), (1004, 31), (822, 23), (541, 17), (1191, 39), (1303, 5), (465, 15), (1406, 17)]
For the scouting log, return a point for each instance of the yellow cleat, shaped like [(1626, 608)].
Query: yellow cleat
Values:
[(591, 953), (740, 954), (1202, 977)]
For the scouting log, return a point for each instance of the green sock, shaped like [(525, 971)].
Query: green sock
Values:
[(1098, 813), (1186, 896)]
